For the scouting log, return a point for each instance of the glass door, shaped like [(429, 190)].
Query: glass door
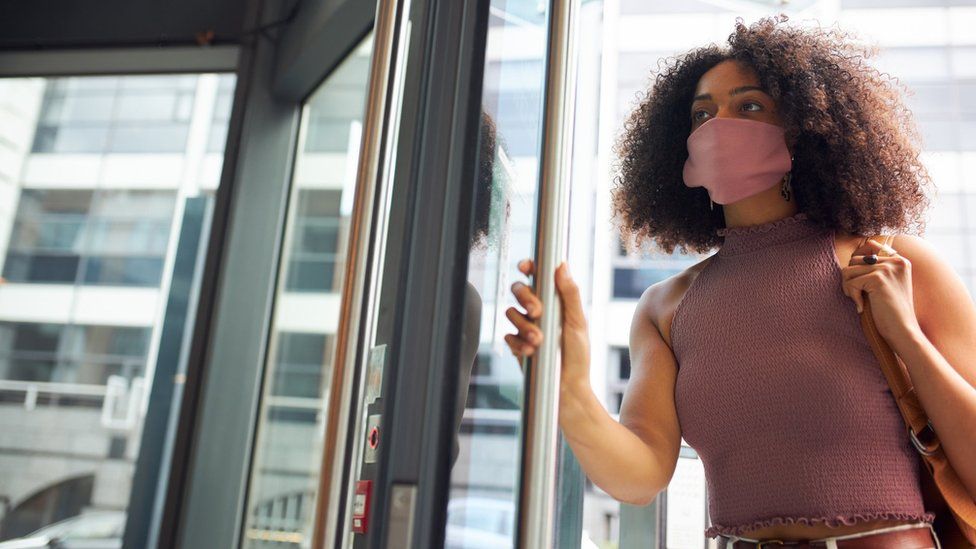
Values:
[(449, 442)]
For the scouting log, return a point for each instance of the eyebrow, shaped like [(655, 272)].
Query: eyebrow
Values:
[(734, 91)]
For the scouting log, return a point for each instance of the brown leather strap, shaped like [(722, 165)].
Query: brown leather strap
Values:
[(896, 373), (913, 538), (960, 503)]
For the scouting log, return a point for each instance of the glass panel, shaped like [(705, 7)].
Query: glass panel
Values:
[(487, 450), (77, 362), (288, 452)]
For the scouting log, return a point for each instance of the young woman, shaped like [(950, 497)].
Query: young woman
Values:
[(784, 149)]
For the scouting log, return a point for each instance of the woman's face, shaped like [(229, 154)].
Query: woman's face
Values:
[(731, 89)]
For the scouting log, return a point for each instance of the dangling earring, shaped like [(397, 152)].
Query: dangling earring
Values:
[(785, 188), (712, 207)]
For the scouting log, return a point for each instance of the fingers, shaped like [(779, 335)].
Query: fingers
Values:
[(527, 331), (856, 278), (529, 335), (527, 299), (519, 346), (858, 259), (871, 246), (569, 297)]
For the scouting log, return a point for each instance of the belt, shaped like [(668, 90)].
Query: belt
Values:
[(913, 537)]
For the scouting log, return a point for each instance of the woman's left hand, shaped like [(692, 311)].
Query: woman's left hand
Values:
[(889, 285)]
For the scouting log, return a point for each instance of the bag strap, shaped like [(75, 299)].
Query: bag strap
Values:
[(921, 433), (898, 379)]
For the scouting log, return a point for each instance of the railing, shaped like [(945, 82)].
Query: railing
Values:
[(120, 400), (280, 521)]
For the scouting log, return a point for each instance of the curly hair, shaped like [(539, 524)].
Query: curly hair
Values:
[(492, 208), (856, 148)]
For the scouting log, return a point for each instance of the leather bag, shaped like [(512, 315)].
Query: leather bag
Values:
[(943, 492)]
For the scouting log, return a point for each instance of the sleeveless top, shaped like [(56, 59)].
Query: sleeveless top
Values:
[(779, 392)]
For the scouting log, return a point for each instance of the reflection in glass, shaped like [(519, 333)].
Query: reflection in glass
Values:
[(288, 452), (484, 478), (88, 247)]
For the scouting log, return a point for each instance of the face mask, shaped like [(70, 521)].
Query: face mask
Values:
[(735, 158)]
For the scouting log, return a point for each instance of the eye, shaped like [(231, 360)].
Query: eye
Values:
[(699, 115), (750, 104)]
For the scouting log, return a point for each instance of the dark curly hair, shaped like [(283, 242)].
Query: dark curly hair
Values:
[(491, 194), (856, 160)]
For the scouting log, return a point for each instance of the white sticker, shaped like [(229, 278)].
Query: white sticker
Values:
[(374, 373)]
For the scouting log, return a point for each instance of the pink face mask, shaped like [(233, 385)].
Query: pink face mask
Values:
[(735, 158)]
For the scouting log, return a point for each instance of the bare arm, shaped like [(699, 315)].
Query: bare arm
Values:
[(633, 459)]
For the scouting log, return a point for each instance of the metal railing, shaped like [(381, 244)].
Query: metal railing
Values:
[(120, 401)]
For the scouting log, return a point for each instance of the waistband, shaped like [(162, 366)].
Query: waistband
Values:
[(893, 537)]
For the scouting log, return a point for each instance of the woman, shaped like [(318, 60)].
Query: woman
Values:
[(785, 150)]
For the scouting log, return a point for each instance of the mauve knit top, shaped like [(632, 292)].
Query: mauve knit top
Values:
[(779, 392)]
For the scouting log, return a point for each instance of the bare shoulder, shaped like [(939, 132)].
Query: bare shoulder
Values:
[(659, 302)]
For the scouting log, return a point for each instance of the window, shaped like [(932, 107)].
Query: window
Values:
[(89, 265), (131, 114), (312, 265), (71, 353), (116, 238), (288, 452), (299, 365), (635, 271), (618, 374), (221, 114)]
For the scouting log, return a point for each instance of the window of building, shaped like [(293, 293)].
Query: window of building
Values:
[(221, 114), (71, 353), (635, 271), (298, 371), (618, 374), (105, 237), (111, 114), (314, 250)]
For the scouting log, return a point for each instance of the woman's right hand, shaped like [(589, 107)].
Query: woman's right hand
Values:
[(575, 340)]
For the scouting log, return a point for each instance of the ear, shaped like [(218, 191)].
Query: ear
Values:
[(791, 140)]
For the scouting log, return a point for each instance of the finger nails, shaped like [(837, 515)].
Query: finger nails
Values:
[(561, 273)]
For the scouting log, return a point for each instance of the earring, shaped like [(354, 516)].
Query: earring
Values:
[(712, 207), (785, 188)]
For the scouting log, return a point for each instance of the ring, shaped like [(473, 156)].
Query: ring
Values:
[(871, 259)]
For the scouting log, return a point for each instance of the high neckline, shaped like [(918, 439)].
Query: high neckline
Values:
[(749, 238)]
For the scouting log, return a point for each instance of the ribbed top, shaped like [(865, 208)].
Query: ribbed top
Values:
[(755, 237), (779, 392)]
